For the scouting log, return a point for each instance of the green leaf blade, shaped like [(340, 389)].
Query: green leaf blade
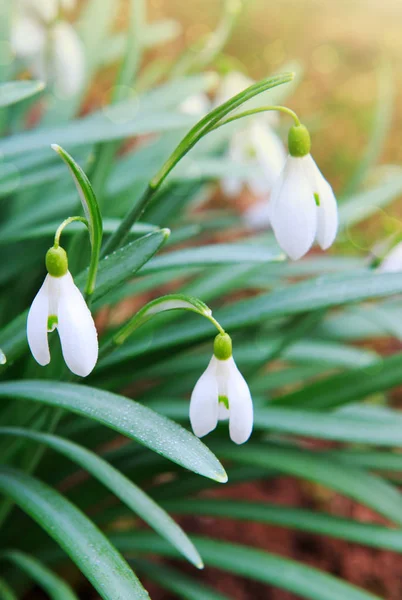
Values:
[(91, 210), (125, 416), (99, 561), (51, 583), (319, 523), (12, 92), (306, 582), (349, 480), (121, 486)]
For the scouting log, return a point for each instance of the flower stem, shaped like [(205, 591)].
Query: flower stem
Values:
[(63, 225), (200, 129), (217, 325), (253, 111)]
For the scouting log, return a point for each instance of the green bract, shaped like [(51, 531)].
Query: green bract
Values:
[(299, 142), (223, 346), (56, 261)]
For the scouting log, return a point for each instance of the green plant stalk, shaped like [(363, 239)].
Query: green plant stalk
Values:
[(92, 212), (197, 58), (105, 153), (163, 304), (64, 224), (32, 459), (247, 113), (204, 126)]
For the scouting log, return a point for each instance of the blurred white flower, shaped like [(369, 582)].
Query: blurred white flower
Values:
[(392, 263), (66, 64), (222, 394), (60, 304), (231, 84), (51, 47), (256, 144), (197, 105), (303, 206), (258, 216)]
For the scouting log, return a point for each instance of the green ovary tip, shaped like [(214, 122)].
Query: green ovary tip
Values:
[(224, 400)]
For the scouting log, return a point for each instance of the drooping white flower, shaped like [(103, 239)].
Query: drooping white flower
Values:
[(222, 394), (392, 263), (258, 216), (196, 104), (231, 84), (60, 304), (66, 63), (50, 47), (303, 206), (255, 144)]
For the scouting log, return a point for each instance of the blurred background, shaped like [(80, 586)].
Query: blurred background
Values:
[(340, 45), (344, 48), (349, 54)]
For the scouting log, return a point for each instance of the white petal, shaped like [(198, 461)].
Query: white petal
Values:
[(260, 186), (67, 64), (270, 152), (40, 10), (258, 215), (197, 105), (223, 412), (293, 210), (37, 325), (45, 10), (231, 186), (327, 211), (28, 36), (240, 406), (204, 402), (392, 263), (233, 83), (76, 327)]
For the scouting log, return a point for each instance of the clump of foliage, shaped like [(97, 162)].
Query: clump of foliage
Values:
[(83, 463)]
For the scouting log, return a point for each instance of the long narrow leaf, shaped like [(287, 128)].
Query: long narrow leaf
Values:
[(290, 575), (96, 557), (51, 583), (125, 416), (16, 91), (376, 536), (349, 480), (121, 486)]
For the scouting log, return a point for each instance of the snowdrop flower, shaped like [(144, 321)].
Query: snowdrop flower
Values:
[(257, 216), (231, 84), (50, 46), (59, 304), (256, 144), (196, 105), (222, 394), (392, 263), (303, 205)]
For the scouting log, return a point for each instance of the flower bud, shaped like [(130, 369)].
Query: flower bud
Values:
[(56, 261), (223, 346), (299, 141)]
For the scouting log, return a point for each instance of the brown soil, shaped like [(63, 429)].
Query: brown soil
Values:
[(374, 570)]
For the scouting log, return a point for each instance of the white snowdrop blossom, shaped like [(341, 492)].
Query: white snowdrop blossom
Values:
[(257, 216), (60, 304), (222, 394), (303, 206), (50, 47), (392, 263), (255, 144), (196, 105)]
